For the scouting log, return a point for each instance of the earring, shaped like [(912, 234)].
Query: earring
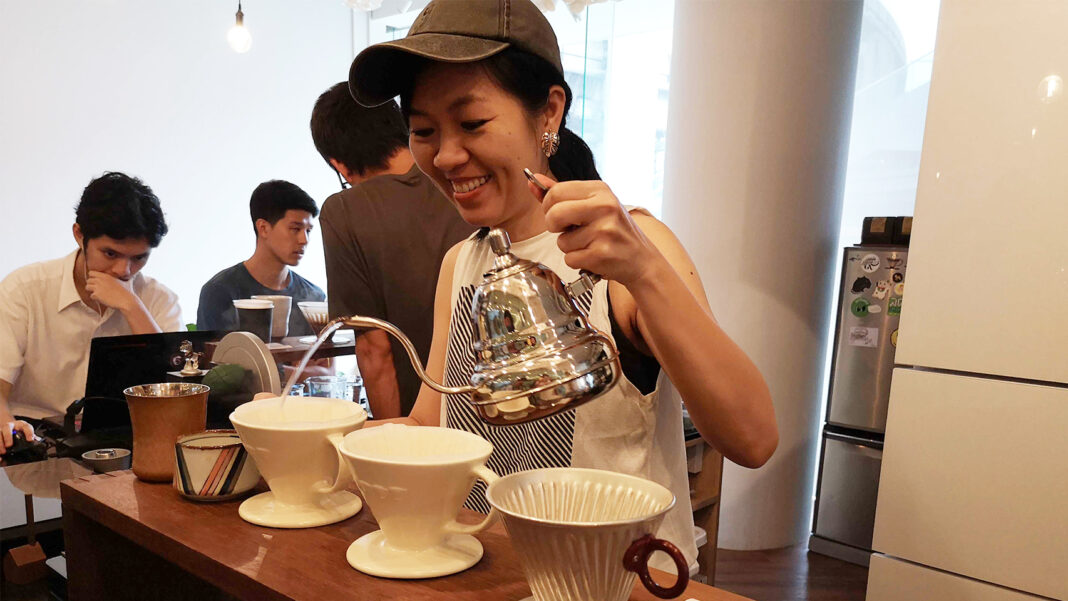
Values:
[(550, 143)]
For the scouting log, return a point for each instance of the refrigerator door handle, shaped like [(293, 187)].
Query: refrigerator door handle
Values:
[(873, 447)]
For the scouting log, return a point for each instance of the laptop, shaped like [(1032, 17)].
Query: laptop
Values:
[(116, 363)]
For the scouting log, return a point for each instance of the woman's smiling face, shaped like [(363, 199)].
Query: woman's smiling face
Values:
[(473, 139)]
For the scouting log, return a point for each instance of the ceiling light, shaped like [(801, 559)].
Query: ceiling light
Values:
[(238, 37)]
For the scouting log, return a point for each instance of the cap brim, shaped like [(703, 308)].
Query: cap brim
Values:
[(382, 71)]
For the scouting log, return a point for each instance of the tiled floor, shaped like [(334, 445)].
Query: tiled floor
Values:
[(790, 574)]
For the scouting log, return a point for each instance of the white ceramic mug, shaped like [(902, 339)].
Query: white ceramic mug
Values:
[(415, 479), (295, 446), (280, 317), (586, 534)]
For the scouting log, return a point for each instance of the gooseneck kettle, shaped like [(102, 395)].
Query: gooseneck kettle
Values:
[(536, 353)]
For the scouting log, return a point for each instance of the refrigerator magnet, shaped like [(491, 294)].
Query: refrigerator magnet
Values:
[(881, 289), (859, 307), (873, 309), (870, 263), (860, 285), (866, 337), (893, 307), (899, 289)]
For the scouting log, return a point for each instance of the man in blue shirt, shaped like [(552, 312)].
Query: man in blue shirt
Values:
[(282, 217)]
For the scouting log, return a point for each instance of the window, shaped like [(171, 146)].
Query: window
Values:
[(889, 110)]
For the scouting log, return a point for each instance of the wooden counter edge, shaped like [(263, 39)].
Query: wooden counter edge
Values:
[(192, 561), (232, 582)]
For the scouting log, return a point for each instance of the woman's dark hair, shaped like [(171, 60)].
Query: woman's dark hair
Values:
[(121, 207), (360, 138), (528, 78)]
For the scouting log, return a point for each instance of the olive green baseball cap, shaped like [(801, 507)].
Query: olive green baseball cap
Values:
[(452, 31)]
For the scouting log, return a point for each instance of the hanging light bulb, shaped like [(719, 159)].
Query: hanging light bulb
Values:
[(238, 37)]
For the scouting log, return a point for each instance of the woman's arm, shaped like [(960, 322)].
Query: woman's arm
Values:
[(427, 408), (725, 393), (659, 301)]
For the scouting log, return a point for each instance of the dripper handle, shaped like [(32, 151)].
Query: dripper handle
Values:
[(489, 477), (636, 559), (360, 321), (344, 475)]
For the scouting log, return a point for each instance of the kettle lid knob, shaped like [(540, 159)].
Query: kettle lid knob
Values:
[(499, 241), (502, 249)]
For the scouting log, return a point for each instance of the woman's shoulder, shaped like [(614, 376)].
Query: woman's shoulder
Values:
[(662, 237)]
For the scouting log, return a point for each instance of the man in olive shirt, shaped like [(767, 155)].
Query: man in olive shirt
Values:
[(384, 239)]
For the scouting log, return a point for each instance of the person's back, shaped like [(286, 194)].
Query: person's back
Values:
[(383, 240)]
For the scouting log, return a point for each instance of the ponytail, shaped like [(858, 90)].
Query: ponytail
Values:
[(574, 159)]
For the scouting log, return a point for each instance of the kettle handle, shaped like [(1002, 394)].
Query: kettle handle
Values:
[(586, 281), (360, 321)]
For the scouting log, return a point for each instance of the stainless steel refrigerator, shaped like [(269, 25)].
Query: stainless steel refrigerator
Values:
[(869, 307)]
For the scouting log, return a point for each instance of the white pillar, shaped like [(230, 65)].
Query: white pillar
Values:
[(757, 139)]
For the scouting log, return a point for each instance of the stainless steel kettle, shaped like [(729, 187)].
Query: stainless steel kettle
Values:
[(536, 353)]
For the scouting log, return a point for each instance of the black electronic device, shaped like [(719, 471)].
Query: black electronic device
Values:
[(24, 451), (115, 364), (119, 362)]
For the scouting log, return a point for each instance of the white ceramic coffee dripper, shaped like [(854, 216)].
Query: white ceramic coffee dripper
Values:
[(415, 479), (295, 445), (585, 534)]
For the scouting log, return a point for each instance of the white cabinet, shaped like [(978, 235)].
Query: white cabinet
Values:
[(987, 284), (975, 479), (893, 580)]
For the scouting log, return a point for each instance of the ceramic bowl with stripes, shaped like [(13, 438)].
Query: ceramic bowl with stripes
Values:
[(213, 466)]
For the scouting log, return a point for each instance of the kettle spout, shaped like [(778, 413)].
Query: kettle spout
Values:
[(360, 321)]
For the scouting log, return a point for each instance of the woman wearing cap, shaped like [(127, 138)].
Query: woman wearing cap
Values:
[(483, 89)]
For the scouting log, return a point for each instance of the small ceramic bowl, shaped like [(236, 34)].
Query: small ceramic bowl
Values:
[(213, 466), (107, 460)]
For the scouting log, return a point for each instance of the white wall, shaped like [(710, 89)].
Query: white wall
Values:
[(153, 90)]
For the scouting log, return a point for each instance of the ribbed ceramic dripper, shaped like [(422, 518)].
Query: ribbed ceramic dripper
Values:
[(572, 529)]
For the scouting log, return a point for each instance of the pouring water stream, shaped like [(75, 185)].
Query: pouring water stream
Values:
[(327, 331)]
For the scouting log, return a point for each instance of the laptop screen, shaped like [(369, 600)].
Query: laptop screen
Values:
[(118, 362)]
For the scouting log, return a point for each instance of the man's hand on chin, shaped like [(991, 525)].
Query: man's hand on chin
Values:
[(110, 291), (117, 294)]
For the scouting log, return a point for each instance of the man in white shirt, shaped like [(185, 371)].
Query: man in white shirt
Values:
[(49, 311)]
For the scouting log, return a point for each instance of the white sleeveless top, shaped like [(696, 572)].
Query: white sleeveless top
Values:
[(622, 431)]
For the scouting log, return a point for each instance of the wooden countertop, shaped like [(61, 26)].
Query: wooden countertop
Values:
[(211, 541)]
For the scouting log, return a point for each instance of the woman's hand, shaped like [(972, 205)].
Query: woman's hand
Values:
[(596, 232), (659, 303)]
